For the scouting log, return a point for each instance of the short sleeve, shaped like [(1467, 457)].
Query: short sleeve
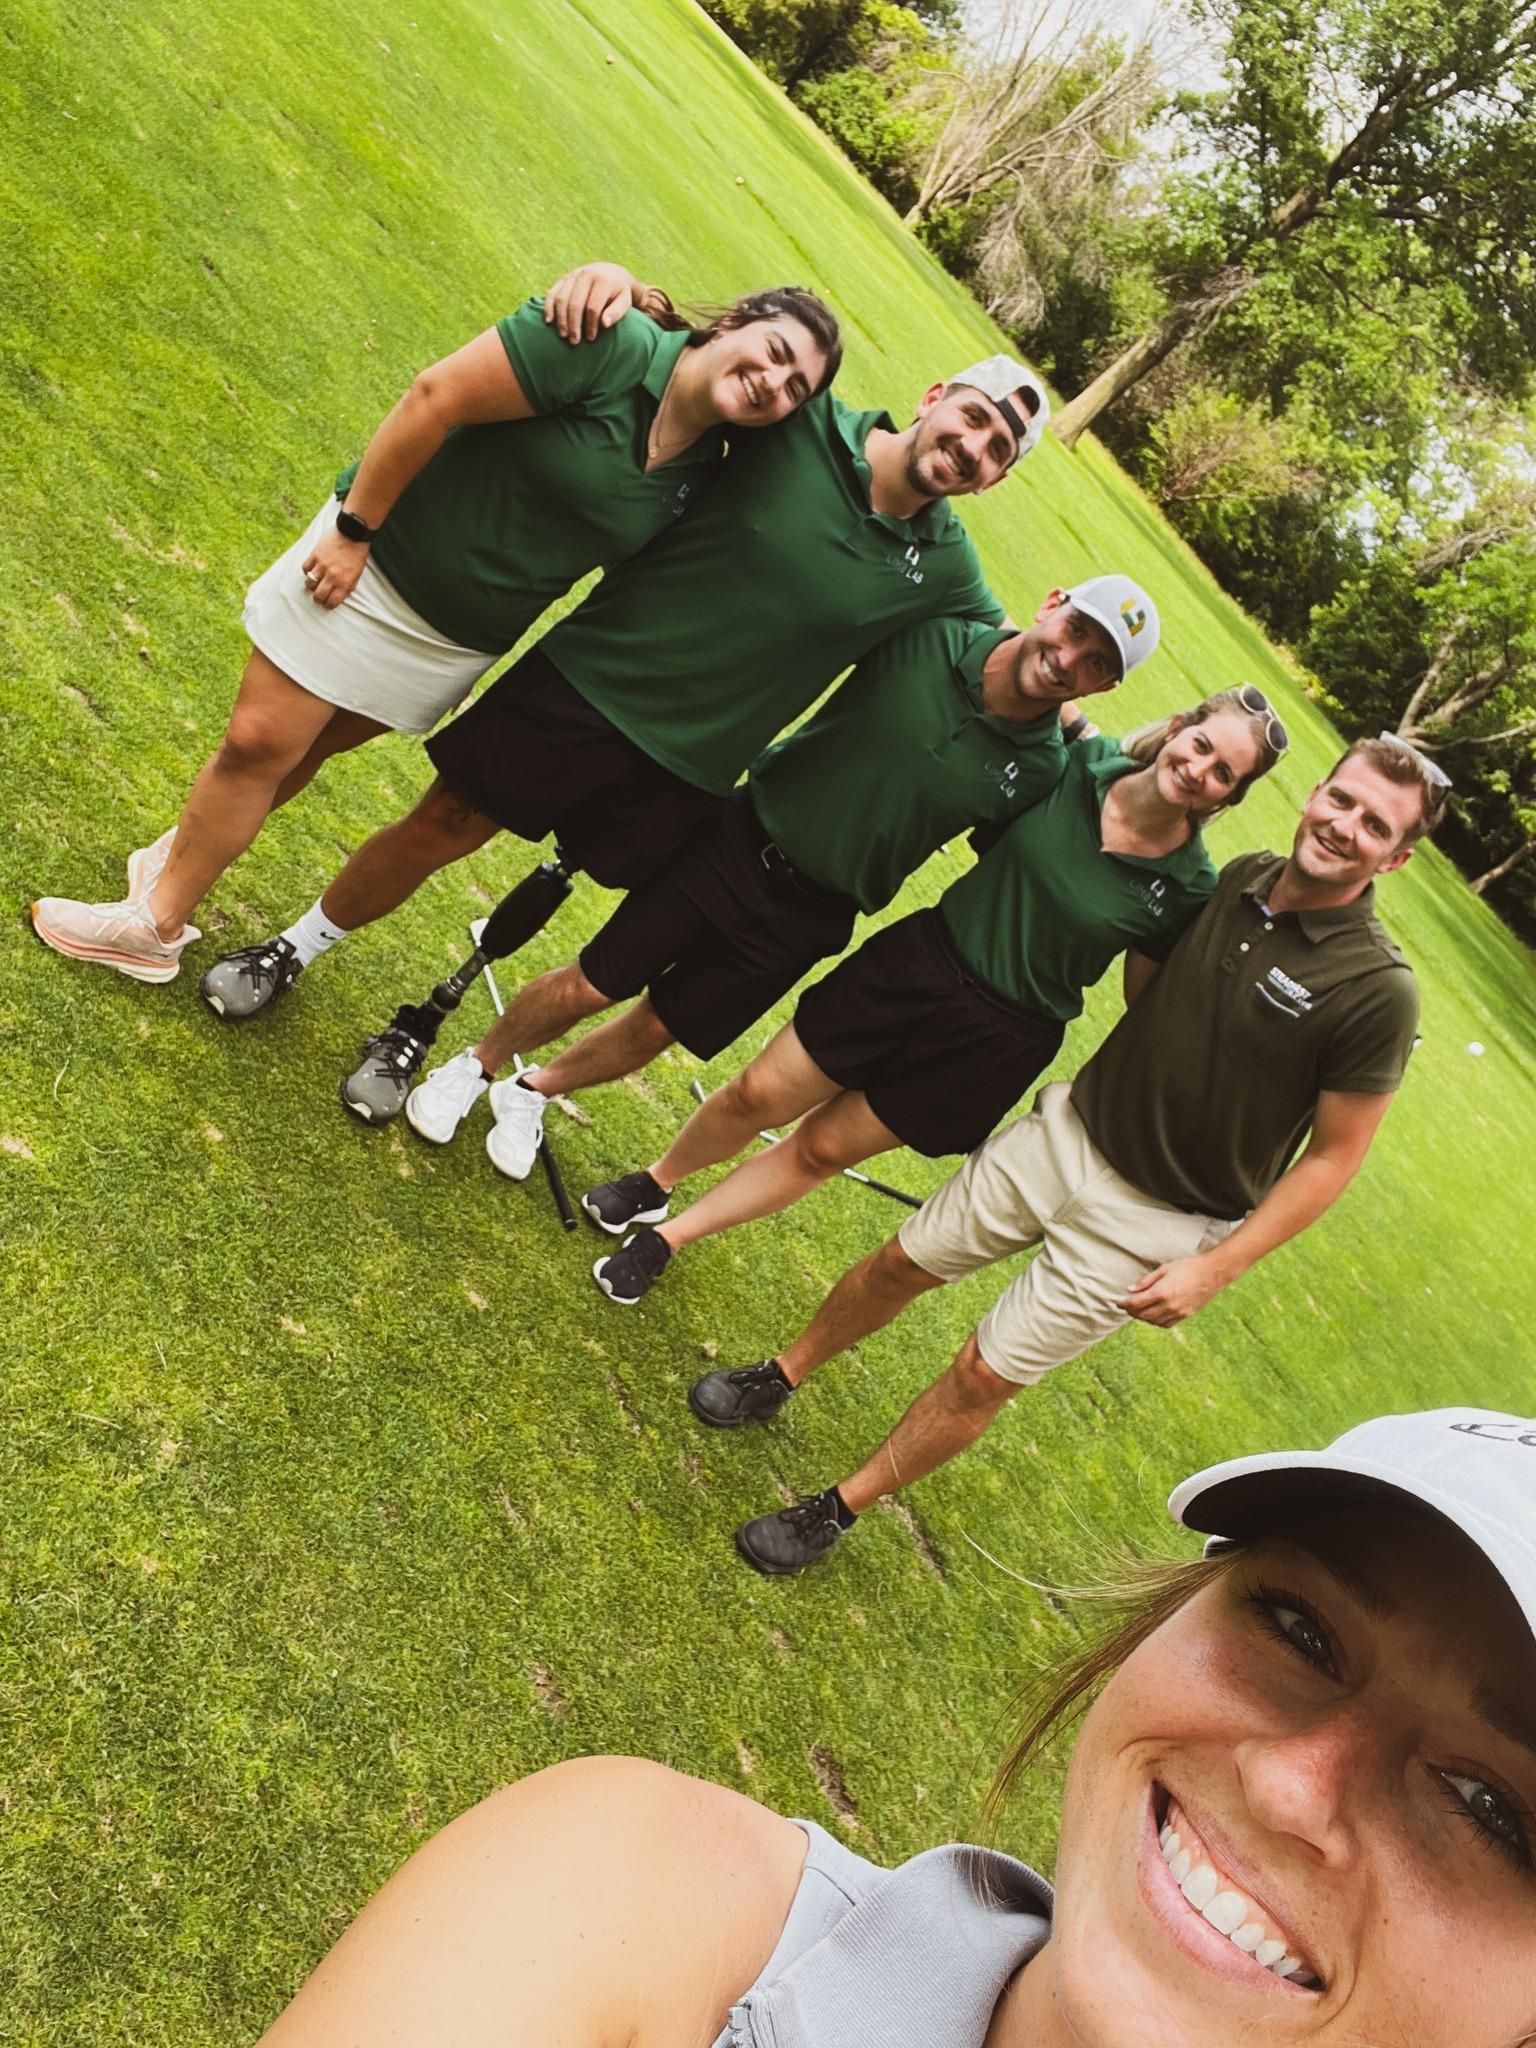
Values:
[(1369, 1052), (556, 373), (972, 596)]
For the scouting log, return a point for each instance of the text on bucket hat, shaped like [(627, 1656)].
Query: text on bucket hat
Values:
[(1472, 1466)]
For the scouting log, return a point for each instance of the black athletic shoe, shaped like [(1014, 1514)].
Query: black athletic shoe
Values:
[(376, 1090), (777, 1545), (630, 1273), (614, 1205), (237, 985), (752, 1393)]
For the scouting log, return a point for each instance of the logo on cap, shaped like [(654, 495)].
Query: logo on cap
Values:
[(1134, 615)]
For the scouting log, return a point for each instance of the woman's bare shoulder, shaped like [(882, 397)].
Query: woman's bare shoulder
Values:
[(604, 1901)]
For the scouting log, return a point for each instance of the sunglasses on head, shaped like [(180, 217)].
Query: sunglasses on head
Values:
[(1253, 699), (1432, 772)]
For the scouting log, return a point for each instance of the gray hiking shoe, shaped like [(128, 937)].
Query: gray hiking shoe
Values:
[(752, 1393), (376, 1090), (239, 984)]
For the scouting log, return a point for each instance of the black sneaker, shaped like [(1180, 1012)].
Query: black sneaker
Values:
[(614, 1205), (777, 1545), (630, 1273), (376, 1090), (237, 985), (752, 1393)]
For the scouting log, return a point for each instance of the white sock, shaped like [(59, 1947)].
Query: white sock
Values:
[(314, 934)]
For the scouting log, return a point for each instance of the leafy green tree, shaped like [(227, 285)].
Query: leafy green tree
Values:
[(1385, 135)]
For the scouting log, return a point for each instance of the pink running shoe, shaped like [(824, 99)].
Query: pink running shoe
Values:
[(147, 865), (120, 935)]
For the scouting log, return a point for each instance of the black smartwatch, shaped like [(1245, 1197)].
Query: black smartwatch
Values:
[(350, 527)]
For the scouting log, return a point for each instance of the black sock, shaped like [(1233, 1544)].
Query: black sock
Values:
[(845, 1515), (787, 1384), (524, 1082)]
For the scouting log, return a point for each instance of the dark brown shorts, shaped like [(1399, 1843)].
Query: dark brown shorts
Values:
[(725, 930), (939, 1056), (533, 754)]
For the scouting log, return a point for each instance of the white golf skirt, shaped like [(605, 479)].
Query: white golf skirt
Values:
[(372, 654)]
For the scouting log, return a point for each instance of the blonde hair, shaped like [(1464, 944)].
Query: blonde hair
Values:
[(1146, 742)]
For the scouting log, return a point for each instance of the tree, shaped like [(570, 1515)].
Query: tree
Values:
[(1384, 125)]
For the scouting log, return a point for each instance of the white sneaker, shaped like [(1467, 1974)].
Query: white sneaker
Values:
[(147, 864), (513, 1145), (437, 1106), (120, 935)]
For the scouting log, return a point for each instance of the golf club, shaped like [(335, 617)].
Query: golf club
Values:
[(552, 1172), (865, 1180)]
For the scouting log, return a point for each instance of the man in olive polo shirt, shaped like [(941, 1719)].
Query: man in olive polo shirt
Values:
[(947, 725), (1166, 1169)]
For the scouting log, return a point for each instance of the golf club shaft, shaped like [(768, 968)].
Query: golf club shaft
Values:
[(865, 1180), (552, 1172)]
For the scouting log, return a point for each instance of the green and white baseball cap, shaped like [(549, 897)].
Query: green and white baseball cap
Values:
[(1002, 379), (1125, 612), (1473, 1467)]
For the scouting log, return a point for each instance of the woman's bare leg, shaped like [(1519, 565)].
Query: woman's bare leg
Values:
[(272, 728), (346, 730), (836, 1134), (783, 1082)]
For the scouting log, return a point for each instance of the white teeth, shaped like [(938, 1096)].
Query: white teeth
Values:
[(1226, 1911)]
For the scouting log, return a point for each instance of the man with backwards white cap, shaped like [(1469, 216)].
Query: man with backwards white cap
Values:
[(1301, 1809), (946, 726)]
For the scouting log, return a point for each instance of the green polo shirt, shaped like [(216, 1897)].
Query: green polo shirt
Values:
[(506, 517), (703, 648), (1208, 1084), (899, 759), (1047, 907)]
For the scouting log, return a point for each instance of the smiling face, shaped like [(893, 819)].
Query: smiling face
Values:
[(1336, 1733), (960, 444), (760, 373), (1200, 767), (1354, 828), (1064, 655)]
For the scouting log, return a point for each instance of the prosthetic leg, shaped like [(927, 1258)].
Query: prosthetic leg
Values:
[(376, 1089)]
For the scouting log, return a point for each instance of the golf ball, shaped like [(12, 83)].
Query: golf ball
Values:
[(1476, 1048)]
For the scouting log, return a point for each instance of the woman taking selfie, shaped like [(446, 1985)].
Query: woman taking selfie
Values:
[(1299, 1810)]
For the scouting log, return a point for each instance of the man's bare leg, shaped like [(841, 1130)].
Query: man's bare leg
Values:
[(393, 864), (869, 1295), (944, 1420), (622, 1046)]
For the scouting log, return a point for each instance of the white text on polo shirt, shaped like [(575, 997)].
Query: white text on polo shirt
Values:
[(910, 564), (1281, 984)]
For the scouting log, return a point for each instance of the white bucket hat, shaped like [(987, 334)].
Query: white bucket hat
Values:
[(1125, 612), (1474, 1467)]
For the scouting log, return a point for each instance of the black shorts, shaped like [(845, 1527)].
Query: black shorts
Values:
[(939, 1056), (725, 930), (533, 754)]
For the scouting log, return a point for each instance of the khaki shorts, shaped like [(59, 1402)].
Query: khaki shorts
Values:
[(1040, 1182)]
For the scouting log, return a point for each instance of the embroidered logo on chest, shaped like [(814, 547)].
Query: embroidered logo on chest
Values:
[(1154, 893), (910, 564), (1278, 989)]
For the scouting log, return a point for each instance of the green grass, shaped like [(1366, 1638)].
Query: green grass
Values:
[(333, 1494)]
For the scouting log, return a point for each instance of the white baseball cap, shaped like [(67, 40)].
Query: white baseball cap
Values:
[(1000, 377), (1475, 1468), (1125, 612)]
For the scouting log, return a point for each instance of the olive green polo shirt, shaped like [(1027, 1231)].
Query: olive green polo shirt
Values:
[(899, 759), (704, 647), (1208, 1084), (1048, 907), (506, 517)]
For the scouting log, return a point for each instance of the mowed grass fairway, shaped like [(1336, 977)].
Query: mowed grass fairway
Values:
[(333, 1494)]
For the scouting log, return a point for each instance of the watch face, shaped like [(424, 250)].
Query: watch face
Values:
[(352, 528)]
